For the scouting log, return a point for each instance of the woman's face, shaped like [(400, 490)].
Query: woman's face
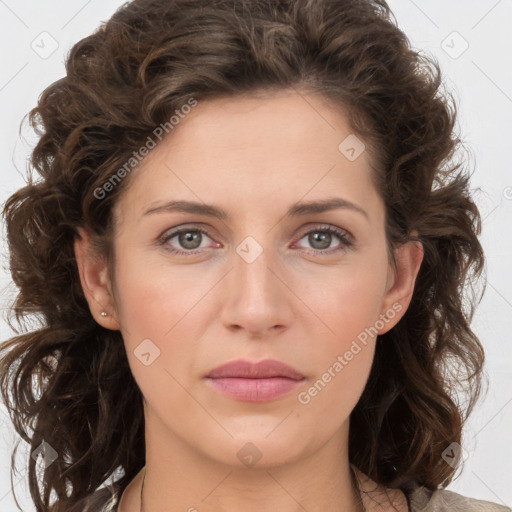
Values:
[(264, 281)]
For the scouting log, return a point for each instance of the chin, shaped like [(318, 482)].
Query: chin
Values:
[(261, 448)]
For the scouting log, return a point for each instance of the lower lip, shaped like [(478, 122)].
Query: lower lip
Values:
[(255, 390)]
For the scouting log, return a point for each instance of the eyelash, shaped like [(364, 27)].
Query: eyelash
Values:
[(346, 241)]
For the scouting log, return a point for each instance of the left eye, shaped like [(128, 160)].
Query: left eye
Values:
[(190, 239), (322, 237)]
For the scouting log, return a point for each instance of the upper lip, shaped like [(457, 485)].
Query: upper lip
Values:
[(255, 370)]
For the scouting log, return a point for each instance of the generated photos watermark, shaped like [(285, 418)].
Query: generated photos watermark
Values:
[(304, 397), (158, 133)]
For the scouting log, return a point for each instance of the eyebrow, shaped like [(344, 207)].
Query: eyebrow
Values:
[(296, 210)]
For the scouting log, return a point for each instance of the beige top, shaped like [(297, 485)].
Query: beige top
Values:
[(419, 500)]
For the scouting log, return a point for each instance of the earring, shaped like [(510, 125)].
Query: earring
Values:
[(104, 313)]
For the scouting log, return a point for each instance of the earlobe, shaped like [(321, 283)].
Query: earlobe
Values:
[(95, 282), (398, 296)]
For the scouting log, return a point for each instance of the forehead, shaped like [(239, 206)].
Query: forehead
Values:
[(280, 120), (281, 145)]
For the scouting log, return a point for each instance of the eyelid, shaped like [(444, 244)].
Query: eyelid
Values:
[(327, 227)]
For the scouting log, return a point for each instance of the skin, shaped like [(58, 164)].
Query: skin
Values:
[(254, 157)]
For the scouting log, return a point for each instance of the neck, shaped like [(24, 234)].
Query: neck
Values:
[(188, 480)]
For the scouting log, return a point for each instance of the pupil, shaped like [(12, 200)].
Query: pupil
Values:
[(187, 238), (325, 239)]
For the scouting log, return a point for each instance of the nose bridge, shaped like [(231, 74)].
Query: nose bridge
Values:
[(253, 258), (256, 296)]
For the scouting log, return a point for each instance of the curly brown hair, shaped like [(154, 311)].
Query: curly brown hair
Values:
[(68, 382)]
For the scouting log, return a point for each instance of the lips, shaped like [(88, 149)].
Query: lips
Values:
[(262, 370), (254, 382)]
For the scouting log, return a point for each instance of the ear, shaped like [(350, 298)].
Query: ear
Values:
[(400, 283), (95, 282)]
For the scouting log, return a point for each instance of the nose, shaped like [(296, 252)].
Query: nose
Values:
[(257, 298)]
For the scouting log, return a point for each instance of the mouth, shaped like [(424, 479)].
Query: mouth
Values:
[(254, 382)]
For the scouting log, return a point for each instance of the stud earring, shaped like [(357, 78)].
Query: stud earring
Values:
[(104, 313)]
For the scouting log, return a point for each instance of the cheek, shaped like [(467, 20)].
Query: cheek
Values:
[(344, 347), (161, 315), (152, 298), (348, 305), (347, 301), (335, 392)]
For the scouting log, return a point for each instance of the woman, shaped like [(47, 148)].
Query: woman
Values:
[(248, 248)]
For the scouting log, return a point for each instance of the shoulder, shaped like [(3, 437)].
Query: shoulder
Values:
[(422, 499)]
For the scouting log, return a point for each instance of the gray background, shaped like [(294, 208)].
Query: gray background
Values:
[(35, 39)]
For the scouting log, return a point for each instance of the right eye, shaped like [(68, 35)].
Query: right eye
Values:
[(190, 239)]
